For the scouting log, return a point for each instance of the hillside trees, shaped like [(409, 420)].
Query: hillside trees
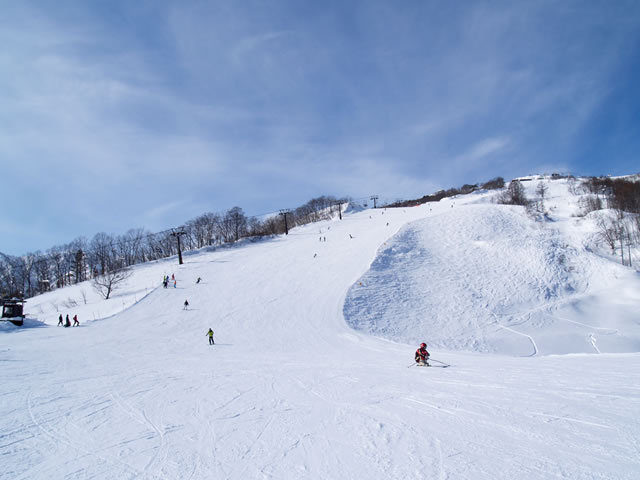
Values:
[(316, 209), (102, 253), (619, 228), (494, 184), (8, 276), (514, 195), (237, 221), (105, 254), (202, 230)]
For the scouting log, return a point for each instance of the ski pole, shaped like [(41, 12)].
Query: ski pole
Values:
[(434, 360), (410, 365)]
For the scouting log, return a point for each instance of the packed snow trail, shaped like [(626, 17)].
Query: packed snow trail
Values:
[(290, 391)]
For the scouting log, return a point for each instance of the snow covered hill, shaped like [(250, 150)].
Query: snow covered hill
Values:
[(309, 376), (487, 278)]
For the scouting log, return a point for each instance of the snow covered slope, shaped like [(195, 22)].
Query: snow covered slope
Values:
[(291, 391), (488, 278)]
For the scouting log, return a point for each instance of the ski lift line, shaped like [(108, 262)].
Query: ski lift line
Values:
[(167, 231), (154, 235)]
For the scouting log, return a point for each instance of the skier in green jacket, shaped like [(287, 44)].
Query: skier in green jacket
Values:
[(210, 333)]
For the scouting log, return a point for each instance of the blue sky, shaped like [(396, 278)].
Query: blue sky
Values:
[(120, 114)]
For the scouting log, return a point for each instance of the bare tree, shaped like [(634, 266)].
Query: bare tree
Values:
[(571, 182), (514, 195), (106, 283), (55, 257), (541, 191), (102, 252), (239, 222), (28, 264), (607, 232)]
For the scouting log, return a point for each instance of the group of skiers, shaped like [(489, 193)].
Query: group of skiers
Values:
[(165, 281), (67, 322), (185, 305)]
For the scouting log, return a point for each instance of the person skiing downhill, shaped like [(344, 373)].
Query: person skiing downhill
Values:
[(422, 356), (186, 305), (210, 334)]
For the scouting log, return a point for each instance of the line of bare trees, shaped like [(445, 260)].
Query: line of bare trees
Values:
[(82, 259), (619, 228)]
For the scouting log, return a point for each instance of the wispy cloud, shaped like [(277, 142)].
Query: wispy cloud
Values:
[(209, 106), (484, 148)]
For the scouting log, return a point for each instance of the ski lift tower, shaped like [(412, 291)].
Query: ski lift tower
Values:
[(12, 310)]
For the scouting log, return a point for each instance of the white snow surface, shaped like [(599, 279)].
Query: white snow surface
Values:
[(312, 372)]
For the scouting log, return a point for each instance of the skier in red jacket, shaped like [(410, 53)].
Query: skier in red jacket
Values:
[(422, 356)]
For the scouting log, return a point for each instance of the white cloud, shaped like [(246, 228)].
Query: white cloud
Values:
[(484, 148)]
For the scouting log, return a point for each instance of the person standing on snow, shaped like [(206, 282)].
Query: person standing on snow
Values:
[(186, 305), (422, 356), (67, 322), (210, 334), (76, 323), (60, 322)]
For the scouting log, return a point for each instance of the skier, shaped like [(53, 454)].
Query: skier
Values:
[(210, 334), (175, 283), (67, 322), (76, 323), (60, 322), (422, 356), (198, 280), (186, 305)]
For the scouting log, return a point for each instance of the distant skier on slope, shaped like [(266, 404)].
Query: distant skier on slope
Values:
[(210, 334), (60, 322), (186, 305), (422, 356)]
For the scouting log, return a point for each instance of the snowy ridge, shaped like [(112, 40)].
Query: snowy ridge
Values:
[(291, 390)]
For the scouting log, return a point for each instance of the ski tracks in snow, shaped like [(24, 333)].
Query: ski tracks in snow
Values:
[(533, 342), (140, 416), (59, 438)]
